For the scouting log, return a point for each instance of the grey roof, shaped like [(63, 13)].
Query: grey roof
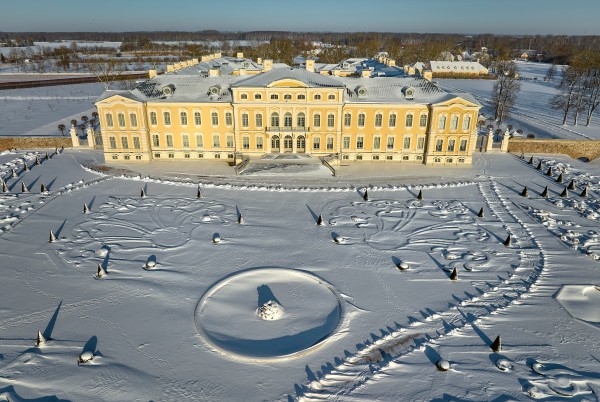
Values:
[(313, 80), (391, 90), (124, 93), (186, 88)]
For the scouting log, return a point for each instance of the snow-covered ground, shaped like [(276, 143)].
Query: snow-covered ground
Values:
[(39, 111), (241, 295), (532, 112)]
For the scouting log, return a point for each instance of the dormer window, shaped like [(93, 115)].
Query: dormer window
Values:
[(409, 93), (274, 97), (168, 90), (361, 91), (287, 97), (244, 97), (214, 90)]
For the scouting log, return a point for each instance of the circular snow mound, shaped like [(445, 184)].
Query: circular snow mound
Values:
[(268, 313)]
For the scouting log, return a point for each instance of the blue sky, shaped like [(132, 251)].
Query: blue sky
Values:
[(453, 16)]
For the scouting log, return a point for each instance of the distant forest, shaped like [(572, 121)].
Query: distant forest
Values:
[(404, 47)]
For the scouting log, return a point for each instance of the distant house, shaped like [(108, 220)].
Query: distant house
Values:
[(458, 68)]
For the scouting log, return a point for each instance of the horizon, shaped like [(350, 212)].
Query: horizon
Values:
[(461, 17)]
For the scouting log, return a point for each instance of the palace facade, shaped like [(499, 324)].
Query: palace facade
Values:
[(193, 113)]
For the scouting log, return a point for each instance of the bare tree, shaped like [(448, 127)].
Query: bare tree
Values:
[(550, 73), (566, 99), (106, 71), (506, 87), (61, 128)]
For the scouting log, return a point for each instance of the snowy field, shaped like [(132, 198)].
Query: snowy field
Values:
[(240, 294), (532, 112), (39, 111)]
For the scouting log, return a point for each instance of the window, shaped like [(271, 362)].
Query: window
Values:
[(217, 156), (197, 118), (347, 120), (331, 97), (257, 96), (214, 118), (378, 119), (329, 143), (167, 118), (419, 157), (274, 119), (463, 145), (216, 141), (153, 119), (183, 118), (316, 143), (109, 120), (361, 120), (171, 155), (199, 141), (439, 144), (244, 96), (121, 119), (301, 120), (133, 119), (170, 140), (185, 140), (376, 142), (449, 160), (245, 120), (186, 156), (258, 119), (317, 120), (136, 143), (437, 160), (317, 97), (287, 120), (246, 142), (423, 120), (405, 157), (389, 158), (155, 140), (113, 142), (392, 121), (360, 140), (259, 143), (330, 120), (454, 123), (406, 144), (346, 143), (301, 97), (274, 97), (390, 143), (466, 122), (442, 122), (421, 143), (115, 156), (375, 157), (287, 97), (200, 155), (228, 118), (138, 157), (409, 120), (157, 155), (461, 160), (229, 141), (451, 144)]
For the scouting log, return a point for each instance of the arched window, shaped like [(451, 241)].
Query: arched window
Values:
[(317, 120), (183, 118), (124, 142), (409, 120), (287, 97), (330, 120), (392, 121), (361, 120), (347, 120), (245, 120), (287, 120), (274, 96), (244, 96), (454, 123), (167, 118), (258, 118), (153, 119), (316, 143), (109, 119), (121, 119), (301, 120), (274, 119), (442, 122), (317, 97), (378, 119), (257, 96)]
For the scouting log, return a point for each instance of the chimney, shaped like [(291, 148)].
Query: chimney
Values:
[(152, 73), (194, 61), (242, 71), (428, 75), (268, 65), (170, 68), (365, 73), (259, 60), (240, 55), (213, 72), (205, 58), (391, 62), (217, 55), (310, 65)]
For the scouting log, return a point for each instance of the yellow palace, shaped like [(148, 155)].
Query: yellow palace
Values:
[(234, 107)]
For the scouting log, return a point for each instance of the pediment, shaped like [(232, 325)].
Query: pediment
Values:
[(457, 101), (287, 83)]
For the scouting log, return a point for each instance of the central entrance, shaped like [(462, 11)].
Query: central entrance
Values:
[(301, 144), (288, 144), (275, 144)]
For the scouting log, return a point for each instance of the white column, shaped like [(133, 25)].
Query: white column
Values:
[(74, 136), (91, 137)]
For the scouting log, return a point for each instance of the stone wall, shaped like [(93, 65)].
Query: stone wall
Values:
[(34, 142), (575, 148)]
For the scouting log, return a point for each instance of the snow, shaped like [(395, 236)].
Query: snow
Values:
[(175, 316), (532, 112)]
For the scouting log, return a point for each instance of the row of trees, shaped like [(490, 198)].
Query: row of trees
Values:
[(579, 88)]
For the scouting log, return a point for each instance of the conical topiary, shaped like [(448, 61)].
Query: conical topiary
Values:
[(420, 195), (52, 237), (24, 188), (199, 193), (507, 242), (47, 156), (240, 219), (525, 193), (40, 340), (37, 160), (480, 214), (545, 192), (559, 179), (366, 195), (142, 193), (497, 345), (216, 238), (454, 274), (539, 166), (549, 172), (43, 188), (4, 187), (26, 167), (85, 208), (100, 272), (13, 173), (565, 193), (571, 185), (530, 161), (320, 221), (584, 192)]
